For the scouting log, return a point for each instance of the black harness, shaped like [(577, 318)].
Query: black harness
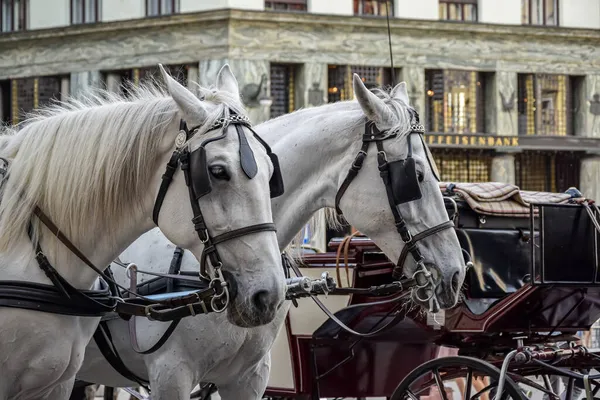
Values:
[(197, 178), (402, 186)]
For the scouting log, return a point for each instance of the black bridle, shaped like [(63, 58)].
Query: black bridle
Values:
[(400, 172), (194, 167)]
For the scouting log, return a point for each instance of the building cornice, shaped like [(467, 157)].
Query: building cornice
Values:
[(397, 24), (297, 38)]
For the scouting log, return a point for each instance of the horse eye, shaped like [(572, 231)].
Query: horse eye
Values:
[(420, 176), (219, 172)]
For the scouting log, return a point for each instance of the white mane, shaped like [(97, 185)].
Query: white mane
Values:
[(87, 162)]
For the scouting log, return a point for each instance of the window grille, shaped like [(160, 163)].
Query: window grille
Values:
[(340, 80), (545, 105), (547, 171), (457, 165), (455, 101), (282, 89)]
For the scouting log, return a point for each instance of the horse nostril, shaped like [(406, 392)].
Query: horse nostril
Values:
[(260, 300), (455, 283)]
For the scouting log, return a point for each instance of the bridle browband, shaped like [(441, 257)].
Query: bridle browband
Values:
[(422, 276), (181, 156)]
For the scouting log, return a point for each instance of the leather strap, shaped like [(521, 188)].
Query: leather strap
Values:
[(174, 267), (421, 235), (104, 341), (352, 172), (164, 185), (236, 233), (56, 232)]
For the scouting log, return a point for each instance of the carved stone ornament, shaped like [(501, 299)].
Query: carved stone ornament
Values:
[(508, 104), (315, 95), (252, 91)]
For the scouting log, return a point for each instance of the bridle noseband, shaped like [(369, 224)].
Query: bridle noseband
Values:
[(197, 179), (402, 185)]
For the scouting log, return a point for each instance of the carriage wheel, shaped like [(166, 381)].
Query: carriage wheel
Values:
[(474, 379)]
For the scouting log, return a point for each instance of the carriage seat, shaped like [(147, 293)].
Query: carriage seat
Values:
[(494, 227), (497, 205)]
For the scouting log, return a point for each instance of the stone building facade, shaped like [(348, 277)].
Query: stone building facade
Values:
[(507, 93)]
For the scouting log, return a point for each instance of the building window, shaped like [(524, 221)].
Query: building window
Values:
[(340, 80), (13, 15), (458, 10), (286, 5), (455, 101), (462, 165), (178, 72), (84, 11), (539, 12), (547, 171), (545, 105), (161, 7), (282, 89), (373, 7), (5, 102), (27, 94)]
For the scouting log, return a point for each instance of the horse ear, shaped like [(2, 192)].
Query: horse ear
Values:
[(226, 81), (191, 107), (400, 92), (373, 107)]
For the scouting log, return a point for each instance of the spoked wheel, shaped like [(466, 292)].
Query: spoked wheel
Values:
[(449, 378)]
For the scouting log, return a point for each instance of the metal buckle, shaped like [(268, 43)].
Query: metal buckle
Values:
[(356, 158), (410, 238), (206, 235), (129, 268), (147, 312)]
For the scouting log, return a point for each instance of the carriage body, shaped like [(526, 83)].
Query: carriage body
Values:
[(535, 274)]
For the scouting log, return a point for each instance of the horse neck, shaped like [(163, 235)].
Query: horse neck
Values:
[(315, 154)]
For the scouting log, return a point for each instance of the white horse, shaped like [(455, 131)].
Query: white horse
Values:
[(94, 167), (316, 147)]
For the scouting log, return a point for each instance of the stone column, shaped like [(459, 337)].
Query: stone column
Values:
[(503, 113), (311, 85), (587, 119), (82, 82), (589, 177), (65, 88), (192, 79), (503, 168), (415, 83), (113, 82), (253, 81)]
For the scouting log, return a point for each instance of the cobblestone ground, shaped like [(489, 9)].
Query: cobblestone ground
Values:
[(534, 395)]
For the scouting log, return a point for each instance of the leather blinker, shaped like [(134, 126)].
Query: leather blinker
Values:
[(201, 184), (404, 180)]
